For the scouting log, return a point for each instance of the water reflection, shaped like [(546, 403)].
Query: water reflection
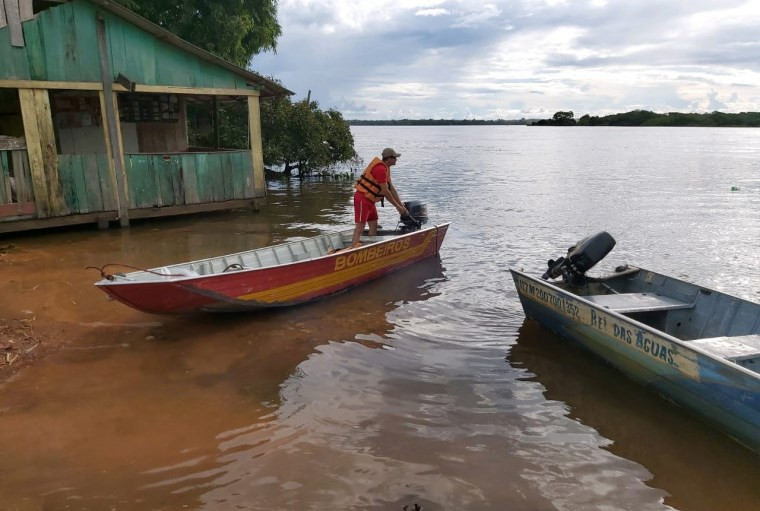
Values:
[(169, 415), (667, 440)]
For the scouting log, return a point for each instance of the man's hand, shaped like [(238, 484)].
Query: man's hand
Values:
[(403, 211)]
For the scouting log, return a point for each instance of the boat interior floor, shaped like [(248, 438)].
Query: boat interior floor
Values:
[(637, 302)]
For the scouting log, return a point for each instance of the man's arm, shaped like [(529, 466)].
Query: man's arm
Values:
[(390, 193)]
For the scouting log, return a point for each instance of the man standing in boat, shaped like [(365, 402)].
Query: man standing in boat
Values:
[(375, 185)]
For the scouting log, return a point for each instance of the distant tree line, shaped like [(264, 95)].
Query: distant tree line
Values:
[(439, 122), (647, 118)]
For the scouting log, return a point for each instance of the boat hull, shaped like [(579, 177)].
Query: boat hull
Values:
[(719, 391), (283, 285)]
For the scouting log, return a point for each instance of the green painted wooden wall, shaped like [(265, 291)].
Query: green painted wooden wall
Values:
[(157, 180), (61, 45), (86, 183)]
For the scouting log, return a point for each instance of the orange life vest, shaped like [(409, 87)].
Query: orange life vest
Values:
[(367, 184)]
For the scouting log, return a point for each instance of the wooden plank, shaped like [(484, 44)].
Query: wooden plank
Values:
[(25, 10), (132, 167), (238, 175), (14, 64), (5, 178), (257, 151), (119, 150), (109, 102), (3, 19), (133, 45), (205, 187), (68, 39), (215, 176), (80, 188), (55, 52), (227, 176), (107, 189), (117, 52), (8, 68), (148, 184), (65, 174), (183, 210), (87, 41), (138, 175), (167, 182), (35, 51), (189, 179), (154, 186), (196, 91), (34, 151), (39, 84), (17, 209), (22, 176), (177, 184), (27, 225), (13, 17), (248, 175), (92, 182), (49, 151)]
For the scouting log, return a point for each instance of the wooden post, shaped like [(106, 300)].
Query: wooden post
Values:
[(42, 152), (111, 121), (257, 150), (215, 106)]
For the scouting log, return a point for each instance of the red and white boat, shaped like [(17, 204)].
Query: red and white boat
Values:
[(280, 275)]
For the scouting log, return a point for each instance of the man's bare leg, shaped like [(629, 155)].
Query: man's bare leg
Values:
[(358, 229)]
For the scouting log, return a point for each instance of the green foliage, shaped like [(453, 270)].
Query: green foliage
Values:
[(559, 119), (234, 30), (300, 136), (232, 118)]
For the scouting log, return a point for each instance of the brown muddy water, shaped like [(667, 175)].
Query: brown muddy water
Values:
[(424, 388)]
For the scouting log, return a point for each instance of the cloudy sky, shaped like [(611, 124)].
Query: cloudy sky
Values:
[(454, 59)]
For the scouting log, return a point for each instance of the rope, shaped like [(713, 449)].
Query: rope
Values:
[(109, 276)]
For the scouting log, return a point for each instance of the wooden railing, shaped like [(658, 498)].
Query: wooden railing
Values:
[(16, 191)]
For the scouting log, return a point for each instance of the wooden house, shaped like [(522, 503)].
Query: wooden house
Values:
[(94, 119)]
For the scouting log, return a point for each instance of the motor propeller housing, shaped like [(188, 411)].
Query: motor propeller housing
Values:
[(417, 217), (580, 258)]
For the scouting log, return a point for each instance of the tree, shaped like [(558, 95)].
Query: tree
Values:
[(299, 136), (563, 119), (234, 30)]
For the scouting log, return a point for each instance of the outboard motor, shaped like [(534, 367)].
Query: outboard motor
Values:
[(580, 258), (417, 216)]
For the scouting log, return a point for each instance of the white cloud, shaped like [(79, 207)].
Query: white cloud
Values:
[(431, 12), (459, 58)]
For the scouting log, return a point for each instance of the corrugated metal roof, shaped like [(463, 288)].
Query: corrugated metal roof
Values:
[(269, 88)]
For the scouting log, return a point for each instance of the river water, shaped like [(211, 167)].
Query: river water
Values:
[(427, 387)]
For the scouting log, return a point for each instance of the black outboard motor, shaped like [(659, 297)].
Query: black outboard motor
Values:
[(417, 216), (580, 258)]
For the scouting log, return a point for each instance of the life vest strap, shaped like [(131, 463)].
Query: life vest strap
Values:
[(371, 183)]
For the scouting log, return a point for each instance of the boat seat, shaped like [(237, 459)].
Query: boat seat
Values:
[(637, 302), (735, 348)]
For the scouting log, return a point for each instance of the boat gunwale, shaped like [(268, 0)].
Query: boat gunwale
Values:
[(185, 278), (732, 365)]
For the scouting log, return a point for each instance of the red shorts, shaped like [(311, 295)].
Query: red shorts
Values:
[(364, 209)]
